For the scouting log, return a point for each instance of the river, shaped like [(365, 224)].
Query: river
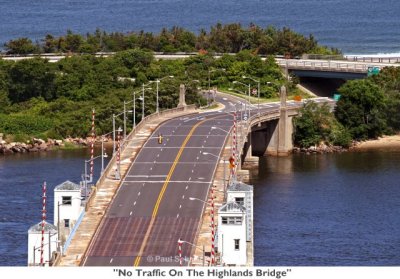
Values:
[(310, 210), (21, 178), (328, 210)]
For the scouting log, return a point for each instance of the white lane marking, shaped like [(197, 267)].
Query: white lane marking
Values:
[(177, 215), (151, 168), (134, 203), (111, 260), (190, 178), (183, 197), (197, 157), (192, 171), (138, 194), (180, 206), (186, 187), (158, 155), (130, 213)]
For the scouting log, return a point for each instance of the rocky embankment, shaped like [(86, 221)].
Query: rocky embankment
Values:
[(37, 145), (320, 149)]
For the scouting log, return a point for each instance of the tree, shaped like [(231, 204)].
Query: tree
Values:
[(315, 124), (361, 109), (31, 78), (21, 46)]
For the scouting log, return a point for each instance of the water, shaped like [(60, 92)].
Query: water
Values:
[(21, 178), (355, 26), (328, 210), (337, 209)]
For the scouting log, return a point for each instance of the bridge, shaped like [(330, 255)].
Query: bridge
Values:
[(342, 69), (130, 222)]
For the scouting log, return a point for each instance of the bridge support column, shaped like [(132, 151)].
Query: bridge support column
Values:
[(182, 91), (281, 143), (249, 158)]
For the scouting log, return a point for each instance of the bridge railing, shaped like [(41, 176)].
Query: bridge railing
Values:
[(336, 66), (113, 160)]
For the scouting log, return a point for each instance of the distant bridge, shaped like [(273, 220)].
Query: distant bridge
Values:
[(330, 68)]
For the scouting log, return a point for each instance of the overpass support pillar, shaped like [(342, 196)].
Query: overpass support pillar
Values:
[(249, 158), (281, 143)]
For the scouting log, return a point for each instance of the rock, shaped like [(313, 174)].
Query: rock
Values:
[(58, 142), (15, 149), (7, 151), (43, 146), (33, 149), (38, 141)]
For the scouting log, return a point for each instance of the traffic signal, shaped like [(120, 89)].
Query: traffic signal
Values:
[(231, 162)]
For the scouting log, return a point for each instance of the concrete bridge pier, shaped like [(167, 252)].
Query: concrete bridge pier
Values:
[(274, 137), (248, 151), (281, 143)]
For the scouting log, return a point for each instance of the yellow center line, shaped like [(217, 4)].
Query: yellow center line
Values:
[(160, 196)]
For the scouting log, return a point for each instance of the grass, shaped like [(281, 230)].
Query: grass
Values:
[(70, 146)]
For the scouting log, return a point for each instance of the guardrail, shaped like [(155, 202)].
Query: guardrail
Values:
[(145, 120), (334, 66)]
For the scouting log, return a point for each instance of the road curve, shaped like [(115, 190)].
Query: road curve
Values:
[(152, 209)]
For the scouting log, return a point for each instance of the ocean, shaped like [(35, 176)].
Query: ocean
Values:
[(354, 26)]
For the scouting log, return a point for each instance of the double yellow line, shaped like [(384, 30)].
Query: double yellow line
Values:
[(163, 189)]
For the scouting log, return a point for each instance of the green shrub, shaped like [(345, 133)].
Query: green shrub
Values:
[(24, 124)]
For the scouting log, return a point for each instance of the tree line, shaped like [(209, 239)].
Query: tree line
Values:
[(228, 38), (43, 99)]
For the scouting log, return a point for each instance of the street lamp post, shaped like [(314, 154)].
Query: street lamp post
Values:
[(198, 247), (248, 98), (209, 81), (118, 170), (157, 81), (142, 101), (224, 159), (258, 91), (115, 116), (212, 223), (85, 180), (103, 155)]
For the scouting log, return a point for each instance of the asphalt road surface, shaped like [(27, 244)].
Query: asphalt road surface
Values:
[(152, 209)]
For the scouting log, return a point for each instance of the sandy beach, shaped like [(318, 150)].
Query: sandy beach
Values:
[(385, 142)]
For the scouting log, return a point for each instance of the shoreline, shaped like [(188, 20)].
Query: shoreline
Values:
[(384, 142), (39, 145)]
